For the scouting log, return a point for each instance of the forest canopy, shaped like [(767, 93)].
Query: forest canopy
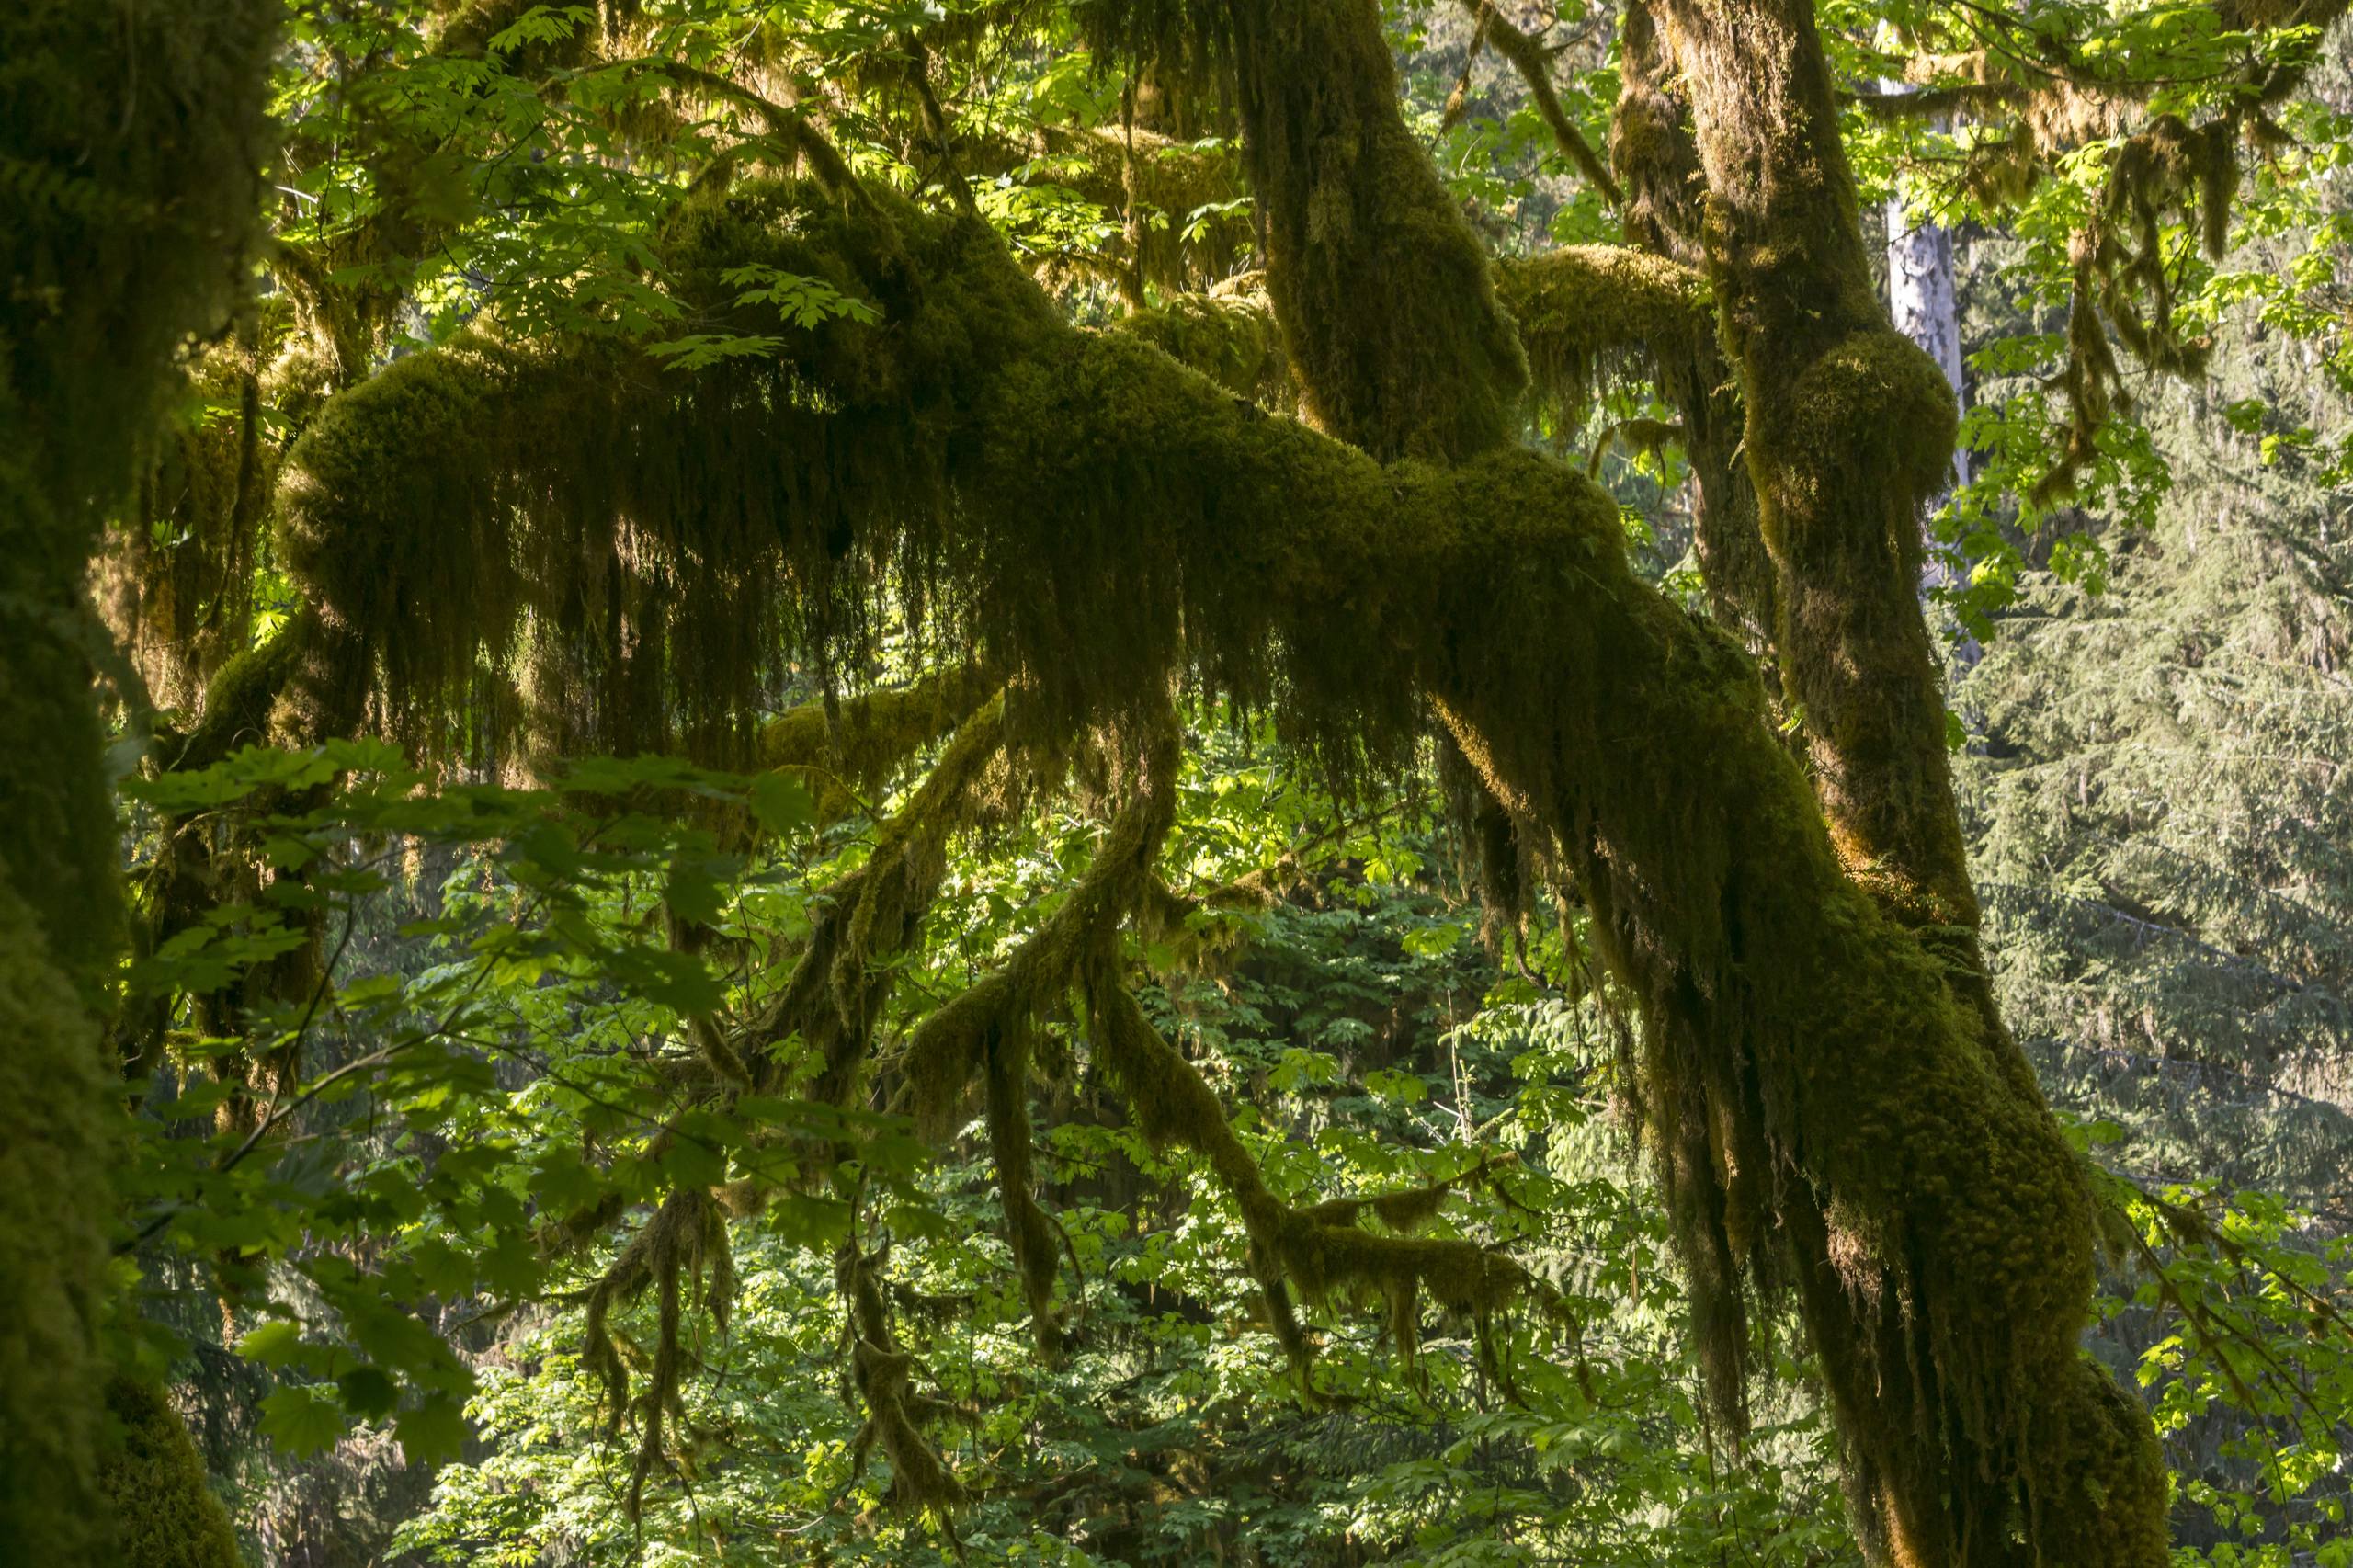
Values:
[(1130, 781)]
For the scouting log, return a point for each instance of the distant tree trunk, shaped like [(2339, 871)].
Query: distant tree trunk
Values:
[(1921, 298)]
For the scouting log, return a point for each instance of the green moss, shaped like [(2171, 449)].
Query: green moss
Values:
[(175, 584), (1586, 311), (881, 1377), (1233, 341), (1091, 520), (53, 1217), (682, 1254), (1385, 297), (162, 1511), (869, 736), (1182, 229), (239, 699), (134, 144)]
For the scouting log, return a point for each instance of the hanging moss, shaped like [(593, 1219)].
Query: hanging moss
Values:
[(1657, 156), (2121, 283), (1182, 227), (162, 1510), (1385, 297), (1097, 519), (2162, 168), (881, 1375), (1029, 1231), (681, 1252), (1589, 312), (176, 585), (1320, 1250), (581, 522)]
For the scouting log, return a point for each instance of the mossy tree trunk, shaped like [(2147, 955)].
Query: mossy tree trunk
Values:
[(1849, 431), (1658, 167), (130, 150), (1818, 1155), (1849, 434)]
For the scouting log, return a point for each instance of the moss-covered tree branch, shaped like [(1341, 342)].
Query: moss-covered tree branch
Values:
[(1083, 492), (1534, 63)]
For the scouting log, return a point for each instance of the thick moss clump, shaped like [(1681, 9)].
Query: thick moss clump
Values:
[(1586, 311), (1231, 340), (164, 1514)]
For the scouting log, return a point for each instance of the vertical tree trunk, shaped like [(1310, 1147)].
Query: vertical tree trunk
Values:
[(1973, 1437), (135, 136), (1921, 298), (1951, 1459), (1386, 301), (1658, 168)]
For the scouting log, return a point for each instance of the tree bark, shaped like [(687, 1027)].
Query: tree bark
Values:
[(1925, 308), (1849, 431), (132, 139), (1658, 162)]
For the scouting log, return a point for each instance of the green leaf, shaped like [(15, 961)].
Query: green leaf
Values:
[(302, 1421), (273, 1343), (540, 24), (368, 1393), (782, 803), (675, 980), (1432, 940), (693, 892), (702, 350), (432, 1432)]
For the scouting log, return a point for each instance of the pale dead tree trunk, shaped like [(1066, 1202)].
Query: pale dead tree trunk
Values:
[(1920, 297), (1921, 301)]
